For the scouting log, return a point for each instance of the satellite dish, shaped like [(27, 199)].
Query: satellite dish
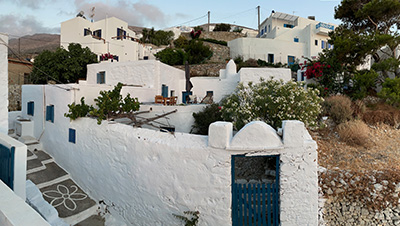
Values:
[(81, 14)]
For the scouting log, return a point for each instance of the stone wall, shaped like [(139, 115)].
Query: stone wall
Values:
[(218, 35), (207, 70), (14, 97), (222, 35), (354, 198), (220, 52)]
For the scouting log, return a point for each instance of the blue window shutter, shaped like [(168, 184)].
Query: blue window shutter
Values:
[(322, 44), (72, 136), (31, 108), (296, 39), (50, 113), (98, 78)]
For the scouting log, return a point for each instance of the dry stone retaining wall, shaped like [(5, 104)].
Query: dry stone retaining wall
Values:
[(14, 97), (211, 70), (367, 198)]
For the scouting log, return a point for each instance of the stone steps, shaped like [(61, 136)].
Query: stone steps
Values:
[(73, 205)]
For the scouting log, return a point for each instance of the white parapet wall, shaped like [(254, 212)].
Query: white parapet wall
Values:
[(19, 163), (15, 212), (3, 83)]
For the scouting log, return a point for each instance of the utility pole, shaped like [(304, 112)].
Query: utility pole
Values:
[(258, 9), (208, 26)]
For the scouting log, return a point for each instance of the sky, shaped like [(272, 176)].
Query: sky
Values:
[(27, 17)]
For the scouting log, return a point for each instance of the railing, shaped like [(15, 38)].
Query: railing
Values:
[(324, 25)]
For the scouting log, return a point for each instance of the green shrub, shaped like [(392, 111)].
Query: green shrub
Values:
[(109, 104), (172, 56), (214, 41), (204, 118), (272, 101), (181, 42), (364, 84), (222, 27), (338, 108), (197, 52), (391, 91), (78, 110)]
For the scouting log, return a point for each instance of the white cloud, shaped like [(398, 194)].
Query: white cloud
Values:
[(19, 26), (136, 14)]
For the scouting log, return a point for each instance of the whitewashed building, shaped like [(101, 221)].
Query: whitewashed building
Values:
[(3, 83), (284, 38), (110, 39)]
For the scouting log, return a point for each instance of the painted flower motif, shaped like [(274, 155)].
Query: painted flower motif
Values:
[(63, 196)]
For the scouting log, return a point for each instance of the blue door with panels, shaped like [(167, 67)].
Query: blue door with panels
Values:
[(7, 165), (255, 192)]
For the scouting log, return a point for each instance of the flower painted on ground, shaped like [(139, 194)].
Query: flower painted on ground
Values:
[(63, 196)]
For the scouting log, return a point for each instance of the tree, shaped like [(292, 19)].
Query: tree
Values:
[(222, 27), (62, 66), (369, 27), (193, 51), (157, 37)]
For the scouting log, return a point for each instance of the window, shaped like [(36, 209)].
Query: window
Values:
[(302, 76), (164, 90), (31, 108), (296, 39), (101, 77), (291, 60), (50, 113), (262, 31), (269, 28), (322, 44), (86, 32), (72, 135), (270, 58), (97, 33), (288, 25), (316, 42), (121, 34), (329, 46)]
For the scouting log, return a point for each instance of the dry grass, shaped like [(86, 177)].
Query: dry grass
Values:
[(354, 133), (382, 113), (359, 109), (383, 152), (338, 108)]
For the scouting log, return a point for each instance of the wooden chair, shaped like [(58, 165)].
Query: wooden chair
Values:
[(159, 99), (172, 100)]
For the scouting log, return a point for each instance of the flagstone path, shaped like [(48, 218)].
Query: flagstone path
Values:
[(74, 206)]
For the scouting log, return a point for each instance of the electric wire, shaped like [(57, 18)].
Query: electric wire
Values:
[(49, 76)]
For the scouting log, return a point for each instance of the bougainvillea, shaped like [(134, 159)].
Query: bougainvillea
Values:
[(195, 35)]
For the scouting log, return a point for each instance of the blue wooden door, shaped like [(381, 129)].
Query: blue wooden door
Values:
[(7, 165), (255, 203)]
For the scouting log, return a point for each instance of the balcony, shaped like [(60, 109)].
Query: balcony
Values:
[(324, 29)]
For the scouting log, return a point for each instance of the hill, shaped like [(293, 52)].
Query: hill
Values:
[(31, 45)]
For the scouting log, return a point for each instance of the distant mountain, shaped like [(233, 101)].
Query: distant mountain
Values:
[(32, 45)]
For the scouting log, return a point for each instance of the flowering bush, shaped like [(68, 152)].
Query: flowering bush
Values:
[(272, 101), (196, 34)]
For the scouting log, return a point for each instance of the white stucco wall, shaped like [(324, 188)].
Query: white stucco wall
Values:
[(19, 163), (149, 74), (15, 212), (3, 83), (259, 48), (72, 31), (147, 175), (255, 74)]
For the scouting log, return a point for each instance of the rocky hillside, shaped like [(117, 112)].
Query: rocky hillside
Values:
[(31, 45)]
